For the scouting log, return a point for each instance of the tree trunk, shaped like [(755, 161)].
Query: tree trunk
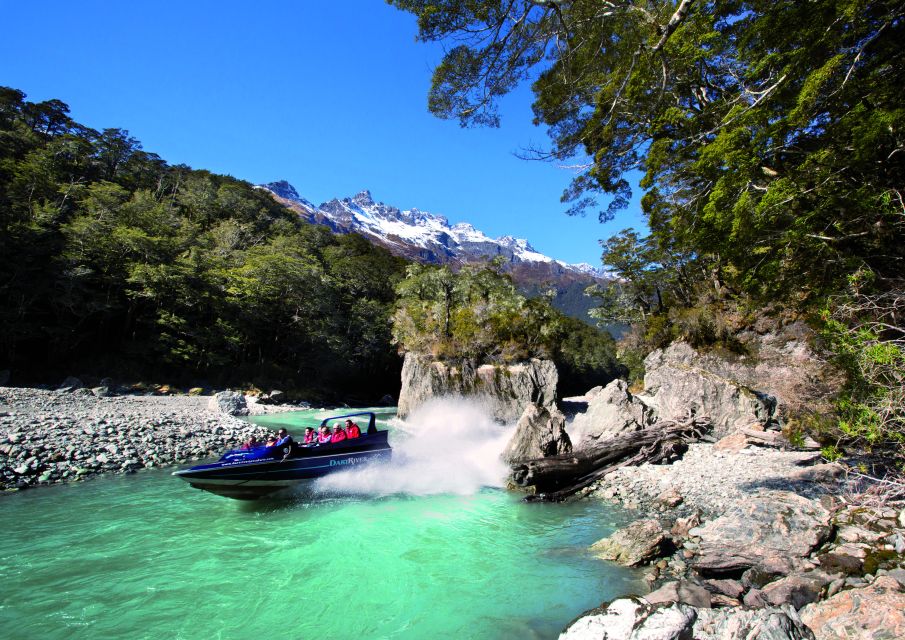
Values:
[(558, 477)]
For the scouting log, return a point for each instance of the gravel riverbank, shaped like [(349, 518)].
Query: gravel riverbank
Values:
[(47, 437), (711, 481)]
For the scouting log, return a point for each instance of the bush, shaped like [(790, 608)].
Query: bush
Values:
[(865, 331)]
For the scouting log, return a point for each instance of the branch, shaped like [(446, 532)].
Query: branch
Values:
[(677, 18)]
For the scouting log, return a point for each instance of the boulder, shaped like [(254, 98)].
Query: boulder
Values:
[(874, 612), (771, 531), (677, 381), (682, 526), (681, 591), (843, 559), (670, 498), (505, 390), (540, 432), (611, 411), (639, 542), (633, 619), (731, 588), (733, 443), (627, 618), (771, 623), (797, 590), (229, 402)]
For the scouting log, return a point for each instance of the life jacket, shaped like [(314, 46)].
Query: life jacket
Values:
[(338, 436), (353, 431), (310, 437), (324, 439)]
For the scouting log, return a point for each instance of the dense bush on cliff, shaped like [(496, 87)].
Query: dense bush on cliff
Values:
[(114, 261), (478, 314)]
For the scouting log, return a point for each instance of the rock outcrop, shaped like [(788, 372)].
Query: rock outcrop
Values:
[(737, 393), (540, 432), (676, 381), (505, 390)]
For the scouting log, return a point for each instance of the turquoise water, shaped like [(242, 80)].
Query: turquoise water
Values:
[(146, 556)]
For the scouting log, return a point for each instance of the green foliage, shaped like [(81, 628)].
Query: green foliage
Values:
[(831, 453), (109, 255), (866, 333), (477, 313), (770, 133)]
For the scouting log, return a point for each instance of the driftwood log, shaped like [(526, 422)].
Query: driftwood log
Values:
[(558, 477)]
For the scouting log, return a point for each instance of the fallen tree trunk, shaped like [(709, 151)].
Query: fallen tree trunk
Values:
[(558, 477)]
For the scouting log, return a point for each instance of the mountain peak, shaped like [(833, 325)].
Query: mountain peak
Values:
[(283, 189), (363, 198)]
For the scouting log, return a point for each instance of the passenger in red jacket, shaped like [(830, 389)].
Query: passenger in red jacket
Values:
[(352, 430), (324, 436), (310, 436), (339, 434)]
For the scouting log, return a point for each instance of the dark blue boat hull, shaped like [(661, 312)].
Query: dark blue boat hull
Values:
[(251, 476)]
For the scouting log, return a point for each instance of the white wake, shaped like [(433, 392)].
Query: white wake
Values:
[(448, 445)]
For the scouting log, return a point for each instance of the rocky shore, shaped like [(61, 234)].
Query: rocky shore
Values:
[(747, 535), (73, 433)]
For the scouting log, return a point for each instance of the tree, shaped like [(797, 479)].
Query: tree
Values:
[(770, 132)]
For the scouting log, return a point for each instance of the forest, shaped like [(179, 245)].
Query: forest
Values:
[(115, 263)]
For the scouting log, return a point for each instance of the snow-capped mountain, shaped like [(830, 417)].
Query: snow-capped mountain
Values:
[(427, 237)]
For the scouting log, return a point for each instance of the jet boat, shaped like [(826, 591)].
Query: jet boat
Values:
[(248, 474)]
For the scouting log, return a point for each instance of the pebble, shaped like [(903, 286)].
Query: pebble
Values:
[(51, 436)]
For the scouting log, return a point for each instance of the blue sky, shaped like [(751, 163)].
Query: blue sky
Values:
[(328, 95)]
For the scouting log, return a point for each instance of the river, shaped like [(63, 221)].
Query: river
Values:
[(427, 547)]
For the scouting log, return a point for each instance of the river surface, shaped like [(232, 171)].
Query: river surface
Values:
[(409, 551)]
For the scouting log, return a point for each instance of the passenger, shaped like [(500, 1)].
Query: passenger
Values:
[(339, 434), (324, 436), (271, 440), (310, 436), (283, 437), (352, 430), (249, 444)]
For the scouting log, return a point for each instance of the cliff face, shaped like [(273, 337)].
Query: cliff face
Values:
[(505, 390)]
